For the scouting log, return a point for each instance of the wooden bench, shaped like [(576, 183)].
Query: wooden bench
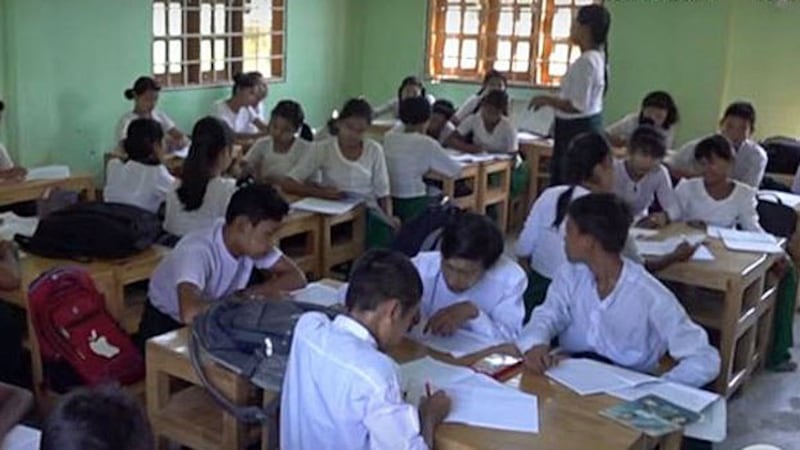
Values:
[(494, 190)]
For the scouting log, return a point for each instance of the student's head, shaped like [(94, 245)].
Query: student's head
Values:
[(738, 122), (471, 245), (144, 141), (97, 419), (247, 88), (715, 155), (415, 112), (660, 108), (353, 121), (596, 223), (493, 81), (590, 28), (587, 162), (385, 288), (493, 107), (254, 214), (286, 120), (144, 93), (646, 148), (410, 87), (443, 110), (262, 89), (209, 155)]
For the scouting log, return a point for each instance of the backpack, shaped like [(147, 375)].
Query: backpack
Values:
[(423, 232), (76, 334), (783, 154), (775, 217), (93, 230)]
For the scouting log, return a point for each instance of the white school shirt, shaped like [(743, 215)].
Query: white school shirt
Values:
[(737, 209), (5, 160), (202, 259), (625, 127), (157, 115), (497, 295), (137, 184), (503, 139), (365, 176), (447, 130), (640, 194), (267, 163), (240, 121), (341, 392), (634, 326), (179, 222), (469, 107), (409, 156), (583, 85), (750, 161)]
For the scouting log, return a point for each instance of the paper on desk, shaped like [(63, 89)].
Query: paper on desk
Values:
[(47, 173), (465, 158), (702, 254), (649, 247), (22, 437), (713, 423), (11, 224), (317, 294), (746, 241), (637, 233), (433, 371), (460, 344), (588, 377), (536, 121), (328, 207), (786, 198)]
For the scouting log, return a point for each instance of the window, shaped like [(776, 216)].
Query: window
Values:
[(205, 42), (528, 40)]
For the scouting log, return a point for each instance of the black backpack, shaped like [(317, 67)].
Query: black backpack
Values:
[(783, 154), (775, 217), (423, 232), (85, 231)]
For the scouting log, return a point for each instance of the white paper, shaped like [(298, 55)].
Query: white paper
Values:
[(47, 173), (637, 233), (22, 437), (317, 294), (538, 122), (748, 241), (648, 247), (500, 408), (460, 344), (11, 224), (786, 198), (713, 423), (588, 377), (466, 158), (702, 254), (437, 373), (327, 207)]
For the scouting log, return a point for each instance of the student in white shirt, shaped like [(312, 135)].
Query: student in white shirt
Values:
[(440, 127), (201, 196), (658, 109), (714, 198), (141, 180), (641, 178), (349, 164), (492, 81), (214, 262), (579, 105), (410, 154), (272, 157), (490, 130), (603, 304), (144, 95), (262, 91), (8, 172), (470, 284), (411, 86), (341, 391), (750, 159), (237, 110)]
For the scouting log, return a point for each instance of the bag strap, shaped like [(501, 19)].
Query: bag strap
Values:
[(762, 196)]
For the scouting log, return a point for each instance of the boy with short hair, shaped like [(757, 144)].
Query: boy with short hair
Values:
[(341, 391)]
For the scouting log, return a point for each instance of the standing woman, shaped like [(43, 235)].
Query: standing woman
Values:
[(579, 106)]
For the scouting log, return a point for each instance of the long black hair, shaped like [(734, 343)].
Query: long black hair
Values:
[(598, 19), (410, 81), (210, 138), (293, 113), (140, 141), (140, 86), (586, 151), (662, 100)]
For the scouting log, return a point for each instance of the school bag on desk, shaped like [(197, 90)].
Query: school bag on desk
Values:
[(79, 341)]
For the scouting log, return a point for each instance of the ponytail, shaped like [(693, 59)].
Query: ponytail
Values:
[(292, 112), (210, 138), (140, 86), (585, 152), (306, 132), (562, 205)]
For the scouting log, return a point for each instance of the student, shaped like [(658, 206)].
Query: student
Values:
[(272, 157), (641, 178), (714, 198), (8, 172), (105, 418), (491, 130), (341, 391), (470, 284), (144, 95), (440, 127), (750, 159), (262, 91), (411, 86), (579, 106), (12, 319), (237, 110), (201, 196), (141, 180), (410, 154), (604, 304), (658, 109), (217, 261), (492, 81)]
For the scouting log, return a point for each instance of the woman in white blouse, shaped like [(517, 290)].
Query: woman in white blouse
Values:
[(658, 109), (144, 95)]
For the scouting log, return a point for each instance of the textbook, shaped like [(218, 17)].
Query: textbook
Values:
[(651, 415)]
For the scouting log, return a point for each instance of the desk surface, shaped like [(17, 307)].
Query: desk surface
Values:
[(35, 189)]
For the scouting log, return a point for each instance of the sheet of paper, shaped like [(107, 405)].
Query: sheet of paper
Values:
[(786, 198), (538, 122), (497, 407), (460, 344), (713, 423), (11, 224), (47, 173), (637, 233), (435, 372), (22, 437), (695, 400), (749, 241), (328, 207), (465, 158), (588, 377), (702, 254), (650, 247), (318, 294)]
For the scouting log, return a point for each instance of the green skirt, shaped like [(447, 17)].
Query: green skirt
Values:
[(535, 293), (783, 319), (379, 233), (408, 208)]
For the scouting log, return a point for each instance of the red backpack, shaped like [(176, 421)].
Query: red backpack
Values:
[(74, 329)]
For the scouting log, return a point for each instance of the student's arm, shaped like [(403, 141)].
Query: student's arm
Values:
[(504, 321), (683, 164), (14, 174), (551, 317), (748, 214), (618, 133), (393, 423), (523, 249), (756, 167), (295, 182), (440, 162), (190, 302), (665, 194), (457, 142), (558, 103), (177, 140), (15, 402), (282, 276), (459, 136), (385, 108), (683, 252), (9, 266)]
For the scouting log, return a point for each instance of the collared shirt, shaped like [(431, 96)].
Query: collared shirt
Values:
[(749, 166), (640, 194), (737, 209), (409, 156)]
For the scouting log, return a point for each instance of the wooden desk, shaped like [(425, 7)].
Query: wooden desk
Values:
[(470, 176), (537, 153), (342, 238), (733, 297), (300, 238), (33, 190), (494, 189)]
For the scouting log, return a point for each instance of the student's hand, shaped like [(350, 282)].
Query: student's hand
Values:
[(538, 359), (395, 223), (447, 320), (538, 102), (655, 220), (435, 408), (683, 252), (15, 174)]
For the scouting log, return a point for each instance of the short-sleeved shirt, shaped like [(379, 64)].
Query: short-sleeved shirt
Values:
[(157, 115), (180, 222), (584, 84), (267, 163), (137, 184), (240, 121), (502, 139)]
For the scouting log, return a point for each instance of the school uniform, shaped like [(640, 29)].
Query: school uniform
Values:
[(156, 114), (750, 162), (502, 139), (5, 160), (497, 295), (640, 194), (625, 127), (137, 184), (393, 106), (341, 392), (409, 156), (447, 130), (470, 106), (634, 326), (179, 222), (267, 163), (583, 85), (736, 210), (240, 121)]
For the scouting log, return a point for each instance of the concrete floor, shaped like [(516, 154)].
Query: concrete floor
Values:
[(767, 411)]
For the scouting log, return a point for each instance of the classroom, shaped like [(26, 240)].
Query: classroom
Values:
[(385, 224)]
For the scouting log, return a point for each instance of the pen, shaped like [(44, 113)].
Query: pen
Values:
[(427, 389)]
